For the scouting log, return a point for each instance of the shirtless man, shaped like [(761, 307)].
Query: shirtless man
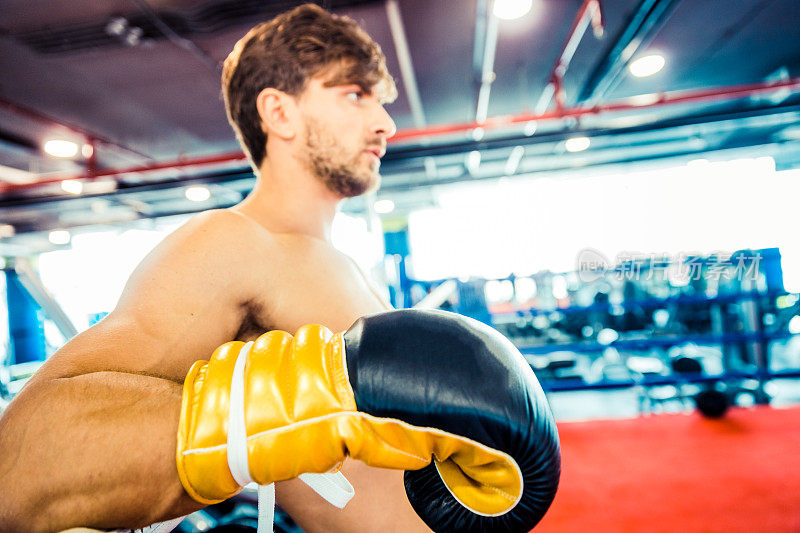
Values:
[(90, 441)]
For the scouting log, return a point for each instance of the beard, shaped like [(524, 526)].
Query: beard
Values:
[(343, 174)]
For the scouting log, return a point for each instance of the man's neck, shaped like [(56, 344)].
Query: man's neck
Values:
[(287, 198)]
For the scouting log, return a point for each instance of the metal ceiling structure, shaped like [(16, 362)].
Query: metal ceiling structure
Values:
[(137, 80)]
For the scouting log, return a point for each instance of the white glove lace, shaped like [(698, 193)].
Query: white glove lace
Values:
[(333, 487)]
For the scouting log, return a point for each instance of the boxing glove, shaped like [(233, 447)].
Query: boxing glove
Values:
[(444, 397)]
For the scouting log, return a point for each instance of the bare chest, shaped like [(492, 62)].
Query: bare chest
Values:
[(308, 284)]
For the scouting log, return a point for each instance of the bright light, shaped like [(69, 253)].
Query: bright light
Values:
[(560, 287), (530, 128), (87, 277), (511, 9), (525, 289), (358, 239), (384, 206), (644, 99), (87, 150), (794, 325), (606, 336), (498, 291), (790, 251), (72, 186), (661, 317), (787, 300), (197, 194), (577, 144), (477, 134), (698, 163), (647, 65), (512, 163), (61, 148), (59, 236), (477, 229), (473, 161)]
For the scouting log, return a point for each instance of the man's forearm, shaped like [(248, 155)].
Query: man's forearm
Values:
[(93, 450)]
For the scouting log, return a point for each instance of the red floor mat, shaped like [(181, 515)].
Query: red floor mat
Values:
[(680, 473)]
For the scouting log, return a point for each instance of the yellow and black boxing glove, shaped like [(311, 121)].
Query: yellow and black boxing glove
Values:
[(444, 397)]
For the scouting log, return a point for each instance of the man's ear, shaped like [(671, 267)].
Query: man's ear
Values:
[(276, 109)]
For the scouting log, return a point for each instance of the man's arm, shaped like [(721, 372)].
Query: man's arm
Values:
[(95, 450), (90, 440)]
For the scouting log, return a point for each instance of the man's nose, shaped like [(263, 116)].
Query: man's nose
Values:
[(383, 123)]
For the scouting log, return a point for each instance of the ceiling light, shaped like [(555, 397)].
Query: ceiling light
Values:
[(117, 26), (6, 230), (59, 236), (61, 148), (473, 161), (511, 9), (645, 99), (647, 65), (530, 128), (430, 167), (134, 36), (384, 206), (197, 194), (512, 163), (577, 144), (72, 186)]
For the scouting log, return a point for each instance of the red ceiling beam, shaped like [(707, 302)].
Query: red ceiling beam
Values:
[(641, 102), (228, 157)]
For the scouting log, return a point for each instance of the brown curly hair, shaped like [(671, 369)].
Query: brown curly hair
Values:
[(285, 53)]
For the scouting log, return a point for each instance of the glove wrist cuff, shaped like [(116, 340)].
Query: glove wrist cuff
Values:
[(337, 362)]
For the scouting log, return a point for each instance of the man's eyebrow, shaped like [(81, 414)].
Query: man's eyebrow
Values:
[(347, 84), (352, 85)]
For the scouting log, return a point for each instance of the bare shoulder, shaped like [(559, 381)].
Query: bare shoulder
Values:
[(218, 229), (224, 220), (215, 246)]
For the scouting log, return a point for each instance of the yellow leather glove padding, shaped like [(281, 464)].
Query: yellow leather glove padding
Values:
[(301, 417)]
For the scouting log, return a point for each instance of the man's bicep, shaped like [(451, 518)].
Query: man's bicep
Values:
[(181, 302)]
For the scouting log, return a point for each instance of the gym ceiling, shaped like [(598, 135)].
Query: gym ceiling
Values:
[(138, 82)]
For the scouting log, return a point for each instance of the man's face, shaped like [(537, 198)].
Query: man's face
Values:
[(345, 132)]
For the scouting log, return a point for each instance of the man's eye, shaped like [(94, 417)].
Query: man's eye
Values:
[(354, 96)]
